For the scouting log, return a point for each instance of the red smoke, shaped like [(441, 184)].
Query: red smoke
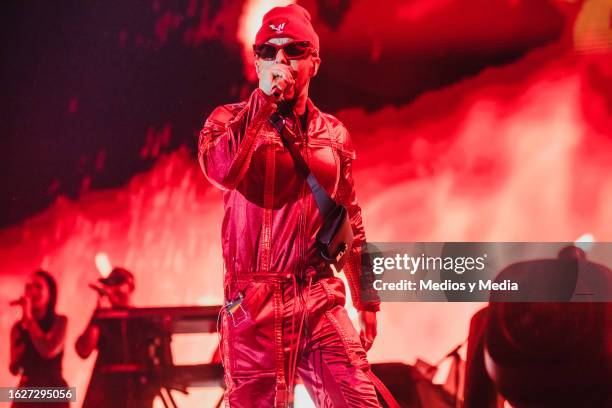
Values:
[(519, 152)]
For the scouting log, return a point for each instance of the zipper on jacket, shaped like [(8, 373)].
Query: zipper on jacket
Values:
[(301, 236)]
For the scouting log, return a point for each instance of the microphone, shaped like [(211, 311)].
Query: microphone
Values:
[(99, 290), (277, 90), (17, 302)]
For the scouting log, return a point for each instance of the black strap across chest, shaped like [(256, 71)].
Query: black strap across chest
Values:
[(325, 203)]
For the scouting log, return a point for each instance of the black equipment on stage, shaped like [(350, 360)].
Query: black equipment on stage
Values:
[(175, 319), (543, 354), (151, 359), (411, 388)]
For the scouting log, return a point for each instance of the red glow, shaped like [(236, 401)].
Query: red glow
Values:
[(156, 140), (416, 10), (73, 105), (165, 25)]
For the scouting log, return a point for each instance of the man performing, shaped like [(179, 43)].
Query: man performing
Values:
[(285, 308), (120, 377)]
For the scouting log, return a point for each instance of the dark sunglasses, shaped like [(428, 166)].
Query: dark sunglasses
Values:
[(293, 50)]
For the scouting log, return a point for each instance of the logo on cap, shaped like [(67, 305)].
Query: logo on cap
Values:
[(279, 28)]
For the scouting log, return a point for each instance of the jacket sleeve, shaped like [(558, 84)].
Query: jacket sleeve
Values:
[(229, 137), (360, 279)]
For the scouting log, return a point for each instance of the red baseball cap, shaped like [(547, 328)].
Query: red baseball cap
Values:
[(292, 21)]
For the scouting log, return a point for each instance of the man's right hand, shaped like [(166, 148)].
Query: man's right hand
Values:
[(277, 80)]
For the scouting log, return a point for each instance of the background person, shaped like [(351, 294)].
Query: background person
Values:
[(120, 378), (37, 340)]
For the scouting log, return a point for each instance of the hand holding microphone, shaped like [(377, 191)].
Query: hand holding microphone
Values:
[(102, 293), (26, 303), (277, 80), (17, 302)]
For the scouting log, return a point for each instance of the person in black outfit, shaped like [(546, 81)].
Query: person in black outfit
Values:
[(37, 340), (121, 377)]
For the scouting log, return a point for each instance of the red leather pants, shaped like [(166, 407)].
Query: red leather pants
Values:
[(260, 339)]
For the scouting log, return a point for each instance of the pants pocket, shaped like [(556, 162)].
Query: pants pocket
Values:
[(249, 330), (334, 288), (340, 321)]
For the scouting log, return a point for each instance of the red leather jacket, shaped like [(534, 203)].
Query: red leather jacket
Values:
[(271, 218)]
